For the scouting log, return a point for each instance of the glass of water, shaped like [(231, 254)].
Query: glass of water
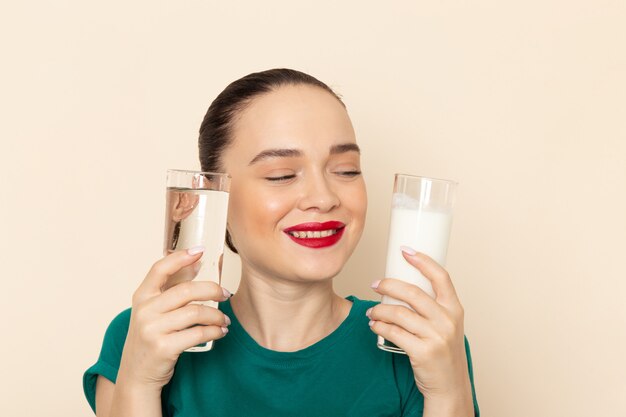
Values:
[(195, 215), (421, 218)]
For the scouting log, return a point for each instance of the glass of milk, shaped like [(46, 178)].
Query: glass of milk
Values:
[(421, 217), (195, 215)]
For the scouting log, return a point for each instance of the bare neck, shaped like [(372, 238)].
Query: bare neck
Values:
[(287, 316)]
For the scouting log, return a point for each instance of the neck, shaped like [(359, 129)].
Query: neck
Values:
[(287, 316)]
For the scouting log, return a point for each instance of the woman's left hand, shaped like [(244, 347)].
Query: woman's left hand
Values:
[(432, 335)]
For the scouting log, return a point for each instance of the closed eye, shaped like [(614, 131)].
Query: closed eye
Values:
[(349, 173), (281, 178)]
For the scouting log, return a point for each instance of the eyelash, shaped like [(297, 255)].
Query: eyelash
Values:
[(283, 178), (288, 177), (349, 174)]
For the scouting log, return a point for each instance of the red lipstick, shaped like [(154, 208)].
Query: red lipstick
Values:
[(303, 234)]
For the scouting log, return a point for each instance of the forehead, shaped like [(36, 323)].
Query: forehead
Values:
[(299, 116)]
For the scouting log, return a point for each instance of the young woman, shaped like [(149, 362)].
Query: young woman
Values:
[(286, 344)]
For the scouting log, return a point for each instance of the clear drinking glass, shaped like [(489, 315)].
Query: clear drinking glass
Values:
[(195, 215), (421, 218)]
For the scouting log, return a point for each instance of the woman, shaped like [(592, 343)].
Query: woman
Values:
[(286, 344)]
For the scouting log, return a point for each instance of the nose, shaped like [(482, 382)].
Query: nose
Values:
[(318, 194)]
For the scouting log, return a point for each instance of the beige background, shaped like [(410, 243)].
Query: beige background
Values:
[(523, 103)]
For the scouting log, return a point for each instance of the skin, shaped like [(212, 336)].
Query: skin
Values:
[(287, 305)]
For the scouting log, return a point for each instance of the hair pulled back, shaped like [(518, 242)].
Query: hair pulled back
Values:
[(217, 126)]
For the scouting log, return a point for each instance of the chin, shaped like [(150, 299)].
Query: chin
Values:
[(315, 276), (319, 270), (320, 264)]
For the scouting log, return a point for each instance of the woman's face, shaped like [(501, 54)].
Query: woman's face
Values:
[(298, 201)]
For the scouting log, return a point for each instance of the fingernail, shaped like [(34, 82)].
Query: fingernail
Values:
[(195, 250), (408, 250), (224, 330), (368, 313), (227, 320), (371, 323), (226, 293), (375, 284)]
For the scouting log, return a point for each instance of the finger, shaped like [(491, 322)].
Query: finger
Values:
[(411, 294), (438, 276), (403, 317), (190, 315), (163, 269), (397, 335), (179, 341), (183, 294)]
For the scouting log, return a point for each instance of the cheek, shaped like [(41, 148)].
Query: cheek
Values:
[(252, 209), (356, 199)]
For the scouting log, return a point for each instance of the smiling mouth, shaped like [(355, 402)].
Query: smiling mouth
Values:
[(316, 235), (313, 234)]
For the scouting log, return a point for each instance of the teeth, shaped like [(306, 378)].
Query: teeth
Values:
[(313, 235)]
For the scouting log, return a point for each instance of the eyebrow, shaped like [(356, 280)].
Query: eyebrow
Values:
[(294, 153), (345, 147)]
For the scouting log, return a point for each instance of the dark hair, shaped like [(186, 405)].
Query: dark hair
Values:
[(216, 128)]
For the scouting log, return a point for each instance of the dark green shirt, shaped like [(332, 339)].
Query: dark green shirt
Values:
[(344, 374)]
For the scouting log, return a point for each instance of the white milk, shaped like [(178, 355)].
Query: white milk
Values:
[(425, 231)]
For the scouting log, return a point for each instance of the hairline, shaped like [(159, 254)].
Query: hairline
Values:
[(242, 106)]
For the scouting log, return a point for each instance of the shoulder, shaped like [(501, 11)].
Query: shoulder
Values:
[(362, 303), (115, 334), (120, 323), (114, 340)]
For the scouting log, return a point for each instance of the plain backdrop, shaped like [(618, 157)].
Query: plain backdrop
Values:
[(523, 103)]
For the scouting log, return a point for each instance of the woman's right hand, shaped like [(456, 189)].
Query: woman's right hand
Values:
[(161, 319)]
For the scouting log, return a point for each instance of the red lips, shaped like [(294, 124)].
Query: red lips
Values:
[(316, 242)]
